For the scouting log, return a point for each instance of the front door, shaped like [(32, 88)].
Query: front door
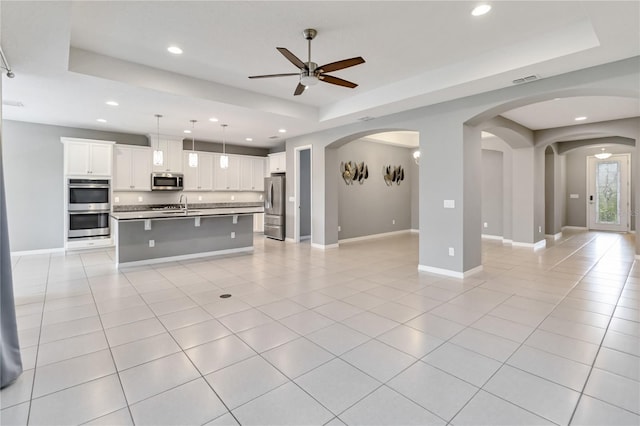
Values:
[(608, 193)]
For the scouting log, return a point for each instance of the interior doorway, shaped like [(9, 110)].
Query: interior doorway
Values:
[(302, 193), (608, 193)]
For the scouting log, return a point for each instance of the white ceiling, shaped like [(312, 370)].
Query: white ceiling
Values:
[(71, 57)]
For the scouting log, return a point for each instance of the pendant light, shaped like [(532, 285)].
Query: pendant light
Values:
[(224, 158), (603, 155), (158, 156), (193, 155)]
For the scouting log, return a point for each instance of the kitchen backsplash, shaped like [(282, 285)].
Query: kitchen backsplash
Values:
[(171, 197)]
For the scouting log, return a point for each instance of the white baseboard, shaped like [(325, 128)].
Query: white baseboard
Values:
[(448, 272), (538, 245), (305, 237), (39, 251), (324, 247), (507, 241), (289, 240), (492, 237), (577, 228), (554, 236), (185, 257), (369, 237), (417, 231)]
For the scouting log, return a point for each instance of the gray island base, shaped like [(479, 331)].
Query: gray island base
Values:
[(180, 237)]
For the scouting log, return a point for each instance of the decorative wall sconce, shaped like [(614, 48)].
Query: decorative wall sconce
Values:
[(392, 174), (353, 172), (416, 157)]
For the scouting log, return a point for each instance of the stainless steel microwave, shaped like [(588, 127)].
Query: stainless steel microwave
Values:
[(167, 181)]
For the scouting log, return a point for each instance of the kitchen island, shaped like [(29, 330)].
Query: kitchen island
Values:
[(155, 236)]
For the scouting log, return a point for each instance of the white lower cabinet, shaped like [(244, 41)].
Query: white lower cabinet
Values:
[(198, 178), (258, 222), (132, 168)]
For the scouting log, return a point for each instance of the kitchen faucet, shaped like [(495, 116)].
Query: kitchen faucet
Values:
[(186, 207)]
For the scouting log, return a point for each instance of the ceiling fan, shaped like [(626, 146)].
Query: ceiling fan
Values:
[(310, 73)]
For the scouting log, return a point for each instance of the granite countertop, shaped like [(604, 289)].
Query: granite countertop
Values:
[(171, 212)]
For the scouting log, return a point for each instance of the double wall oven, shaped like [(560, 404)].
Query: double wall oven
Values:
[(88, 208)]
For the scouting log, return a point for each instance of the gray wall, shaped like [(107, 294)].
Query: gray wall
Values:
[(549, 191), (492, 192), (33, 158), (229, 149), (415, 193), (370, 208), (305, 193), (576, 183)]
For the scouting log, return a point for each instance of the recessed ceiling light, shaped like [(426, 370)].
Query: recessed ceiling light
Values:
[(556, 99), (215, 120), (175, 50), (249, 139), (112, 103), (580, 118), (187, 131), (101, 120), (481, 10), (283, 130)]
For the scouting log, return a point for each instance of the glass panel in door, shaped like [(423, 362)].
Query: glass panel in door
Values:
[(608, 192)]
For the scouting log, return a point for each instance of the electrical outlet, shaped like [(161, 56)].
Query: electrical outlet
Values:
[(152, 243), (233, 234), (393, 222), (339, 228), (451, 251), (233, 197), (486, 225), (199, 197), (116, 199), (139, 199)]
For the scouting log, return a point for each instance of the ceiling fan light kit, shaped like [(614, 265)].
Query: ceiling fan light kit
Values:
[(310, 73)]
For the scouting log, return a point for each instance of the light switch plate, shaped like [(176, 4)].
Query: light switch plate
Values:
[(449, 204), (292, 199), (574, 195)]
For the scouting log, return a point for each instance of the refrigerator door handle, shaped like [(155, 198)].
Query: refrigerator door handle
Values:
[(271, 195)]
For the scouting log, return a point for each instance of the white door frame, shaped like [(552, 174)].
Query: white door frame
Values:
[(296, 209), (625, 191)]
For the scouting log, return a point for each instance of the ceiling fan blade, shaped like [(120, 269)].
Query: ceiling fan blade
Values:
[(274, 75), (337, 81), (292, 58), (299, 89), (339, 65)]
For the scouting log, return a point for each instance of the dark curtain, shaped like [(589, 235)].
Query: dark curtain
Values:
[(10, 360)]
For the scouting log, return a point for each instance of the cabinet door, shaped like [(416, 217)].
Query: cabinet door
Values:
[(141, 169), (258, 174), (278, 162), (123, 169), (205, 172), (233, 173), (190, 173), (173, 155), (77, 154), (246, 174), (101, 159)]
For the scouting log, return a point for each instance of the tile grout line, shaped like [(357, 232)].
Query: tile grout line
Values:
[(104, 333), (595, 358), (35, 366)]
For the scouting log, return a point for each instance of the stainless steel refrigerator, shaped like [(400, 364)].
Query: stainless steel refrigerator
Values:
[(274, 204)]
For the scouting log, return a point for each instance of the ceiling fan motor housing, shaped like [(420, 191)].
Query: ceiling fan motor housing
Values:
[(309, 33)]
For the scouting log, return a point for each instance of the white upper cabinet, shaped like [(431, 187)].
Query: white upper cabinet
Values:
[(278, 162), (171, 153), (226, 179), (198, 178), (86, 157), (132, 168), (252, 174)]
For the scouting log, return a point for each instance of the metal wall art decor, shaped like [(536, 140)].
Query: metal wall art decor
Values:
[(392, 174), (353, 172)]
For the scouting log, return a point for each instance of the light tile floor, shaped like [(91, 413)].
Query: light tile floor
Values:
[(354, 335)]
